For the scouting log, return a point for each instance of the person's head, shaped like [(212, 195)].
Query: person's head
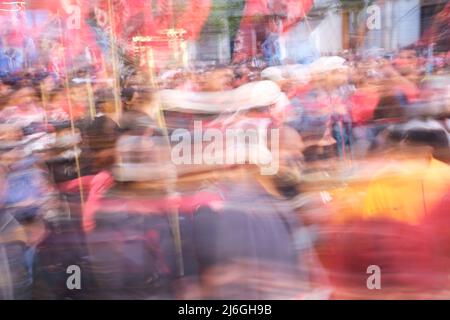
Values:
[(79, 94), (56, 99), (104, 101), (142, 98), (144, 160), (127, 96), (23, 97), (419, 140), (5, 89), (435, 141), (406, 62), (10, 145)]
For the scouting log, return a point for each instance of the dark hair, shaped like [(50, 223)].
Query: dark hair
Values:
[(143, 95), (127, 94), (427, 137), (422, 137), (389, 107)]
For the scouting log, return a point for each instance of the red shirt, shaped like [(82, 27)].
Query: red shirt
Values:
[(363, 104)]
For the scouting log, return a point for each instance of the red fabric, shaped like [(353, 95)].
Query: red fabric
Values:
[(76, 40), (433, 33), (164, 14), (73, 186), (50, 5), (256, 7), (437, 224), (254, 18), (78, 110), (363, 105), (140, 19), (14, 23), (403, 252), (295, 11), (186, 204), (195, 15), (98, 184), (121, 14), (15, 38)]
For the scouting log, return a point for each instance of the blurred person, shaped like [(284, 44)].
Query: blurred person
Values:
[(407, 63), (376, 103), (363, 103), (252, 270), (15, 276), (64, 152), (402, 85), (434, 100), (246, 246), (53, 107), (86, 157), (141, 112), (384, 223), (130, 241), (326, 125), (412, 182), (388, 111), (26, 200), (404, 253), (241, 204), (26, 191), (294, 81), (22, 109), (437, 227), (439, 135), (99, 134), (79, 102)]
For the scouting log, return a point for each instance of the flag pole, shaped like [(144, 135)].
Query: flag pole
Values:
[(72, 122), (174, 214), (114, 58), (90, 94), (44, 103)]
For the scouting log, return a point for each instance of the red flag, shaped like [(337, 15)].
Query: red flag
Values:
[(195, 15), (440, 23), (50, 5), (76, 32), (120, 11), (255, 21), (140, 19), (13, 23), (164, 14), (294, 12)]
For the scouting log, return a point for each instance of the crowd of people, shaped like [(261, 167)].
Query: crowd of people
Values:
[(88, 179)]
